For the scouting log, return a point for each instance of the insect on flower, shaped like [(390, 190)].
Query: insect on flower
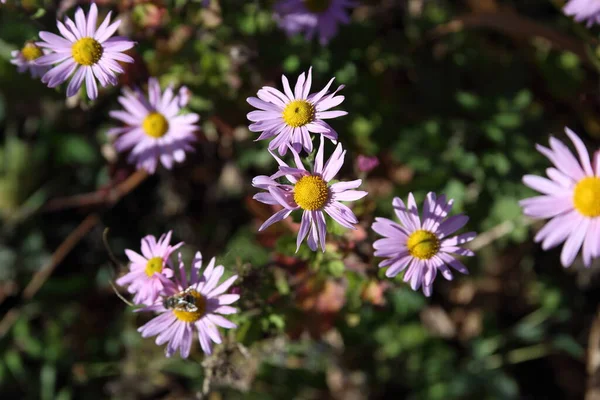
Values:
[(182, 301), (191, 307)]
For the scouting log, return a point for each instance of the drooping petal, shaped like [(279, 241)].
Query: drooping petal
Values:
[(334, 164), (573, 243), (278, 216), (304, 227)]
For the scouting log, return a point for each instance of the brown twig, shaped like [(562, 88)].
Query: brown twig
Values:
[(515, 25), (222, 126), (97, 198), (116, 265), (495, 233), (107, 197), (61, 252), (41, 276)]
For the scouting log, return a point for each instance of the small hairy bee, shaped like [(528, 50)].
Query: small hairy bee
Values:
[(182, 301)]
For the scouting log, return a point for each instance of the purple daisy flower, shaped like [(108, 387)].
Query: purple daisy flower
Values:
[(570, 198), (313, 16), (194, 304), (422, 247), (149, 273), (291, 116), (25, 59), (312, 193), (584, 10), (154, 129), (84, 52)]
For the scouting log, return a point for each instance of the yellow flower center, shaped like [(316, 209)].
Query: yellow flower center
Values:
[(317, 6), (586, 197), (311, 192), (30, 52), (423, 244), (153, 265), (155, 125), (87, 51), (187, 316), (299, 113)]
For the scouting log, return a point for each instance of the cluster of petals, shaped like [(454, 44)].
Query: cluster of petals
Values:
[(584, 11), (84, 53), (150, 271), (276, 108), (327, 201), (154, 129), (570, 197), (422, 245), (313, 17), (404, 244), (177, 328)]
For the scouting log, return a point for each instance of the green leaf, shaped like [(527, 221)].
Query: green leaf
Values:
[(395, 339), (64, 394), (2, 110), (336, 268), (523, 99), (28, 343), (39, 13), (407, 302), (508, 120), (48, 381), (14, 364), (569, 345), (291, 63), (569, 60), (75, 149), (468, 100), (277, 321)]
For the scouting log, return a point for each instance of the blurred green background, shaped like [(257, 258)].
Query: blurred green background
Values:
[(450, 95)]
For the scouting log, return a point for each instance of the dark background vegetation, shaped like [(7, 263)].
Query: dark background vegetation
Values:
[(450, 95)]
